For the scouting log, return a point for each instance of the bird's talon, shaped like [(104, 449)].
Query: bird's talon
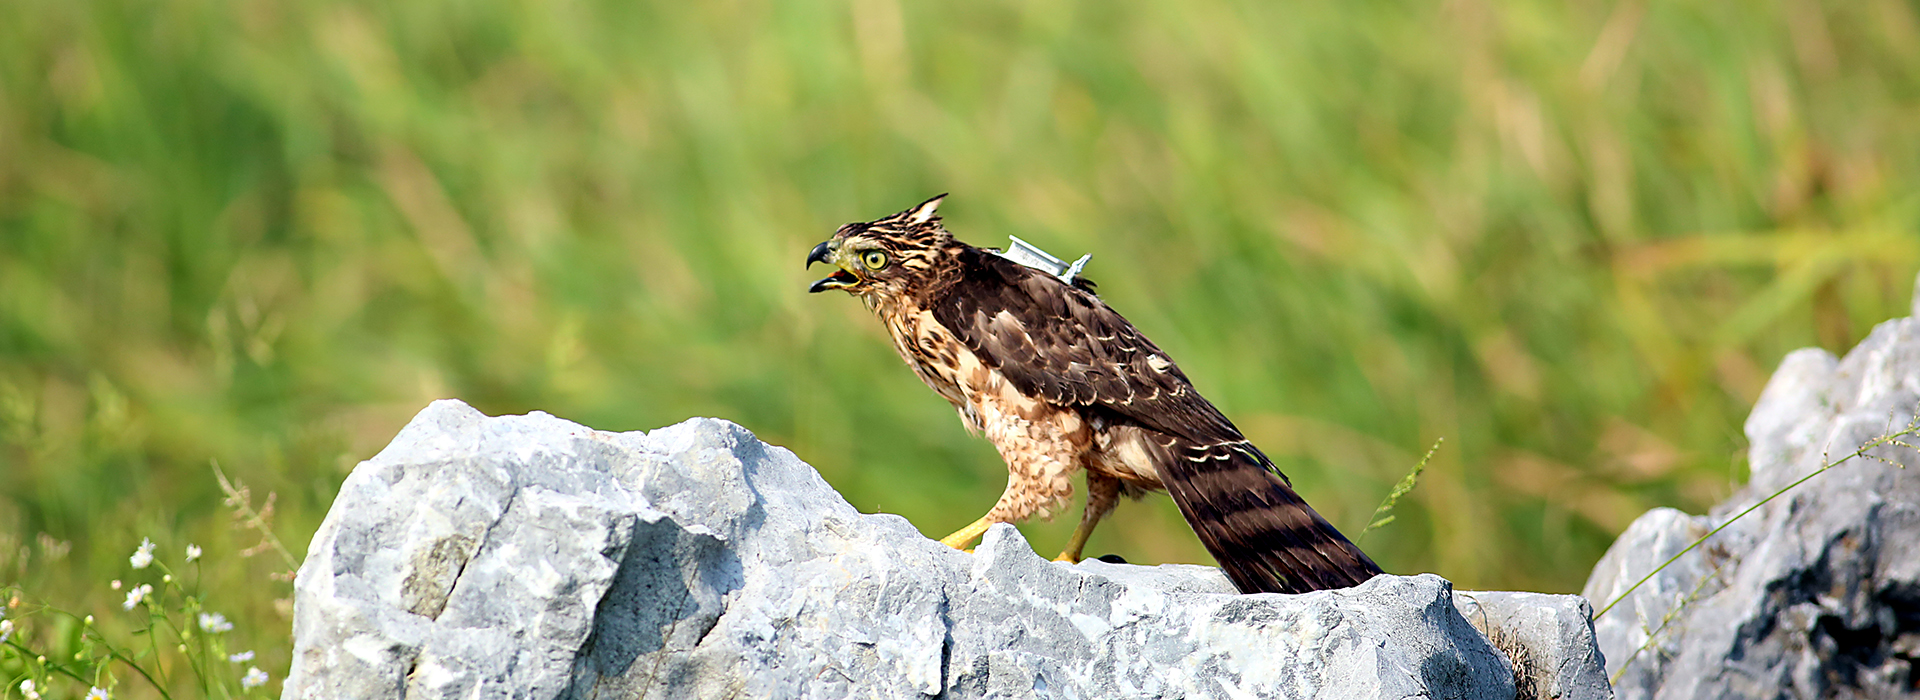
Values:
[(967, 535), (956, 542)]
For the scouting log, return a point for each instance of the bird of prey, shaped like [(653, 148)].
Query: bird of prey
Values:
[(1060, 383)]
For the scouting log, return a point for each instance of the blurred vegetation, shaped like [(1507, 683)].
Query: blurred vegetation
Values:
[(1572, 238)]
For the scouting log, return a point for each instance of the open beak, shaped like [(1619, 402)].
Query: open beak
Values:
[(840, 279)]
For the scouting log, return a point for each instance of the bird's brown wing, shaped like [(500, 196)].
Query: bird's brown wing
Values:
[(1063, 345)]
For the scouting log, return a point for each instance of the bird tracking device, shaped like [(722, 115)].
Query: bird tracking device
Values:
[(1032, 256)]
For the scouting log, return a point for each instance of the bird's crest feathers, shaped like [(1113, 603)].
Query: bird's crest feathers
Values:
[(919, 225), (924, 212)]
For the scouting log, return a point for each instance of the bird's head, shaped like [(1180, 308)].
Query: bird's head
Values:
[(884, 257)]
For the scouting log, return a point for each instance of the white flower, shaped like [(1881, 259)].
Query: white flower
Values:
[(139, 593), (114, 584), (142, 556), (193, 552), (6, 629), (97, 694), (215, 623), (29, 690), (254, 678), (241, 657)]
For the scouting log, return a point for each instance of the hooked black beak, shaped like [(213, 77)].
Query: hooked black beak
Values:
[(840, 279), (826, 283)]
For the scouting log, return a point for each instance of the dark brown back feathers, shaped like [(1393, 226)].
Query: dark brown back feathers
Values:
[(1061, 343)]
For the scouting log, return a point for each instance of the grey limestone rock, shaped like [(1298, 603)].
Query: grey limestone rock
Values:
[(530, 557), (1815, 594), (1548, 638)]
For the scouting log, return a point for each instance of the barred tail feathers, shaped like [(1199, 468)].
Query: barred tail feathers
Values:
[(1266, 538)]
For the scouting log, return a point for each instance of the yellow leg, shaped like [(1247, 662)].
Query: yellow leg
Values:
[(966, 535), (1071, 554), (1102, 493)]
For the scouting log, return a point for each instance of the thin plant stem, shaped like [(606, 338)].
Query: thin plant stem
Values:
[(1889, 438), (122, 658), (1665, 620), (62, 670), (111, 653), (154, 639), (1383, 514), (252, 517)]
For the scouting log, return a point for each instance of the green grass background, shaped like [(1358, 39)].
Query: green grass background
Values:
[(1571, 237)]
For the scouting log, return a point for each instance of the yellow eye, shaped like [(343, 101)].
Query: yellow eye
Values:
[(874, 259)]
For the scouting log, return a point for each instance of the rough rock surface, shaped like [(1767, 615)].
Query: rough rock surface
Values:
[(1548, 639), (1815, 594), (530, 557)]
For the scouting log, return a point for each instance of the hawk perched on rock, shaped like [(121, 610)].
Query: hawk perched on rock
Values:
[(1060, 383)]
